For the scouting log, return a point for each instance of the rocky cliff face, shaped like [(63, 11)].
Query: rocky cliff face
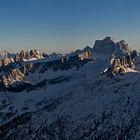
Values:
[(120, 64), (5, 61), (67, 98), (80, 105), (25, 55), (109, 47), (4, 54), (15, 78), (6, 58)]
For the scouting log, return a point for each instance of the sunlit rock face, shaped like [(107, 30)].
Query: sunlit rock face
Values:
[(120, 65), (28, 55), (5, 61), (3, 54)]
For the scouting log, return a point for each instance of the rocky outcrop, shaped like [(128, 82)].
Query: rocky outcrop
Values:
[(28, 55), (45, 55), (5, 61), (123, 45), (120, 64), (121, 48), (13, 76), (21, 78), (6, 58), (133, 54), (87, 48), (3, 54), (108, 46), (35, 53)]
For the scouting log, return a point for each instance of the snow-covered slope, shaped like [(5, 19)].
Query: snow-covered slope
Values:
[(73, 103), (87, 105), (32, 75)]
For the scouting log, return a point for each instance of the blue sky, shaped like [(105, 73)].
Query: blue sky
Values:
[(64, 25)]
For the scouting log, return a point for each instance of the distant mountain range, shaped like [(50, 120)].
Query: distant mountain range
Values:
[(87, 94)]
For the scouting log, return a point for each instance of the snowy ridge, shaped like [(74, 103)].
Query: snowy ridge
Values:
[(77, 104), (31, 75), (86, 107)]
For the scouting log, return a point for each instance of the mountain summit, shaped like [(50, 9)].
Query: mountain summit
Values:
[(108, 46), (88, 94)]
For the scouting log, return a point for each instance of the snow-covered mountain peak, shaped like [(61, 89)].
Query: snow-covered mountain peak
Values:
[(83, 95), (109, 47)]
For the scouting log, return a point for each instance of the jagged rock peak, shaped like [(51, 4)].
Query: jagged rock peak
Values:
[(108, 46), (108, 38), (87, 48), (120, 64), (3, 54), (123, 45), (5, 61), (27, 55)]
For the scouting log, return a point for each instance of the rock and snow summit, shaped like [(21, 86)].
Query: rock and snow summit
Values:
[(90, 94)]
